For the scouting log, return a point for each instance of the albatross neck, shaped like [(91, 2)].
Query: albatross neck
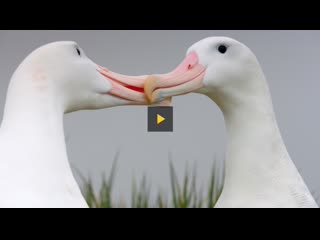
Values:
[(33, 121), (256, 153)]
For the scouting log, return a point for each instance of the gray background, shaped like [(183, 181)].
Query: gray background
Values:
[(290, 60)]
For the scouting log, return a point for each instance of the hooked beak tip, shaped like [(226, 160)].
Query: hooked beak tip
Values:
[(149, 87)]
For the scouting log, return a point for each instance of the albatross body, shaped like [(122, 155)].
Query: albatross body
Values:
[(53, 80), (259, 171)]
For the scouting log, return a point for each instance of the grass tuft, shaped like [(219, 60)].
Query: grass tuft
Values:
[(185, 193)]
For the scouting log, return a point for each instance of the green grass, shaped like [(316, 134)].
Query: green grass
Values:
[(184, 192)]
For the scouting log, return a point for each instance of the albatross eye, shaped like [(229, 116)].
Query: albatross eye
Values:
[(222, 49), (78, 51)]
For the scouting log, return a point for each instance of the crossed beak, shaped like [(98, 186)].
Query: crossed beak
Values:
[(186, 78), (157, 89)]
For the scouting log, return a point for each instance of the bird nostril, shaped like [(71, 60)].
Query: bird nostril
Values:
[(189, 67)]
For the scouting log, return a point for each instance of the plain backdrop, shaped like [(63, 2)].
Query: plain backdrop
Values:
[(290, 60)]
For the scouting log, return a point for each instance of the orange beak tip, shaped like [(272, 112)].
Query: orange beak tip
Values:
[(149, 87)]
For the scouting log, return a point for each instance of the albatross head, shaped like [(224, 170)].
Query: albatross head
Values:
[(219, 67), (64, 69)]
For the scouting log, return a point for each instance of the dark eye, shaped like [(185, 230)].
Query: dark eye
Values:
[(78, 51), (222, 49)]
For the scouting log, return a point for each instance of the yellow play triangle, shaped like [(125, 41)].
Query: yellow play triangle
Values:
[(160, 119)]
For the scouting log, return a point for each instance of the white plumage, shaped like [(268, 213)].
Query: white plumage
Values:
[(259, 171), (55, 79)]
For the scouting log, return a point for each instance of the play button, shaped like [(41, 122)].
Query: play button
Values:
[(160, 119)]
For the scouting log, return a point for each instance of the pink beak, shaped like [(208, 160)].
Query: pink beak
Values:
[(187, 77), (130, 88)]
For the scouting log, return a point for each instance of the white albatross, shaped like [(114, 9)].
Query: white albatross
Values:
[(55, 79), (259, 171)]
